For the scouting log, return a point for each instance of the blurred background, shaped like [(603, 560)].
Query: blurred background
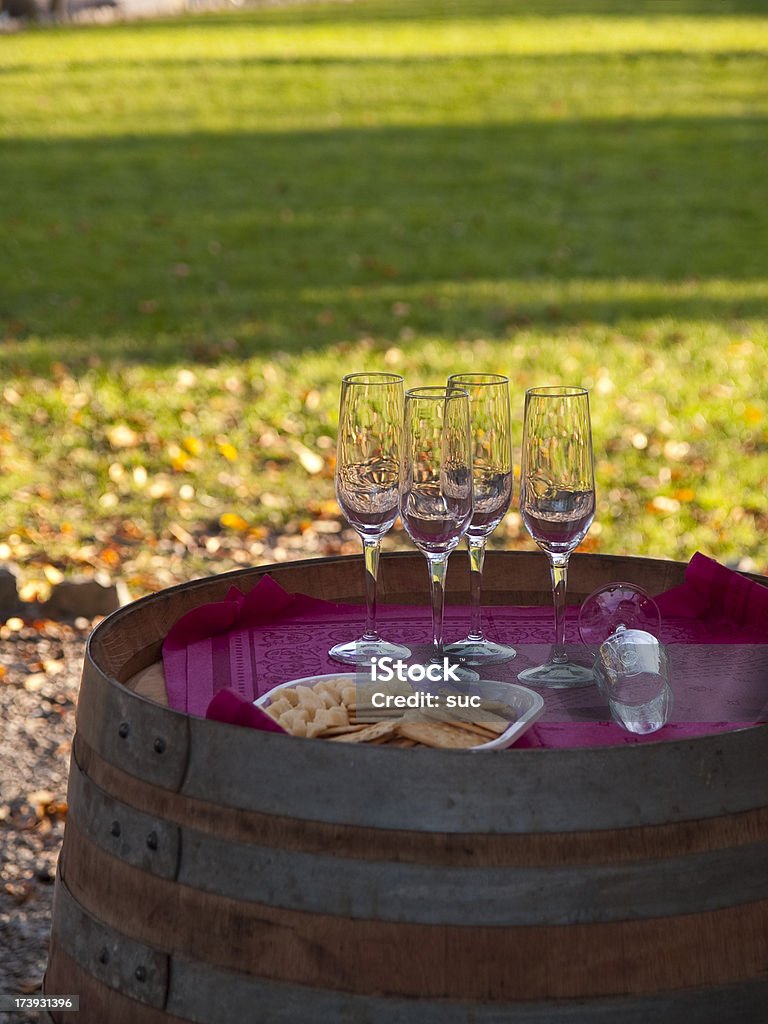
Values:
[(206, 220)]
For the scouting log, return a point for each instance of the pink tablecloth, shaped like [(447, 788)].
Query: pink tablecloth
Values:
[(719, 653)]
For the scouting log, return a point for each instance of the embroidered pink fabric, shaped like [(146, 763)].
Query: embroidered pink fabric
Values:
[(731, 605), (249, 643), (219, 645)]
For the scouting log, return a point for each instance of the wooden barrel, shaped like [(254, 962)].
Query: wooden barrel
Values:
[(210, 873)]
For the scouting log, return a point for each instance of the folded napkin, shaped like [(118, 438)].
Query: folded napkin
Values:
[(720, 596), (228, 706)]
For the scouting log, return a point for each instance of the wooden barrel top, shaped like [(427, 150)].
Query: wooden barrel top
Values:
[(507, 792)]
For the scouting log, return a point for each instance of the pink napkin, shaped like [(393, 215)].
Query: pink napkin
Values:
[(228, 706), (720, 597)]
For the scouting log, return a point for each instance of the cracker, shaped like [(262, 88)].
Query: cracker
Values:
[(480, 731), (277, 706), (308, 698), (332, 686), (328, 718), (439, 734), (295, 721), (478, 716), (341, 730), (349, 695), (367, 734), (494, 728)]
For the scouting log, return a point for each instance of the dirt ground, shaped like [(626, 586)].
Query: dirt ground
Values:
[(40, 665)]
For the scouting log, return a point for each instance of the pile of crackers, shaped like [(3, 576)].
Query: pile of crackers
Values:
[(332, 709)]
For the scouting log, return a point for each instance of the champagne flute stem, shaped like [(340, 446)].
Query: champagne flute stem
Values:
[(558, 565), (438, 566), (371, 551), (476, 549)]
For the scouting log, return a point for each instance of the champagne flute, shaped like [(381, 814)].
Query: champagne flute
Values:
[(436, 484), (557, 504), (492, 481), (631, 667), (367, 477)]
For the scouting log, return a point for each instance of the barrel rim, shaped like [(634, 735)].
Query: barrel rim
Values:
[(683, 779), (388, 556), (115, 617)]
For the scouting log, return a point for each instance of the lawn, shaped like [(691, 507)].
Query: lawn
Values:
[(204, 222)]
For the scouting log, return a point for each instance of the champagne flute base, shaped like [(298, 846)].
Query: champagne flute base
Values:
[(563, 675), (362, 652), (459, 669), (442, 669), (479, 652)]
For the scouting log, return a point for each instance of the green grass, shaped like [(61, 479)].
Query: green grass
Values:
[(261, 200)]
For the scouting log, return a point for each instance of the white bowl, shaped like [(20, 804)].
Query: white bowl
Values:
[(527, 704)]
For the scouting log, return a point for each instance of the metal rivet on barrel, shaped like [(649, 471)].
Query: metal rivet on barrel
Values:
[(123, 730), (152, 840), (104, 956), (159, 745), (115, 829), (140, 973)]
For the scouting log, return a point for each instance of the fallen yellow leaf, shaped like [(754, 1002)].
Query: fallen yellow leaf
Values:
[(752, 414), (228, 451), (193, 445), (233, 521), (179, 458)]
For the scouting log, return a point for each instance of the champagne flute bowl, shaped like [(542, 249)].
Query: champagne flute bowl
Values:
[(367, 480), (631, 667)]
